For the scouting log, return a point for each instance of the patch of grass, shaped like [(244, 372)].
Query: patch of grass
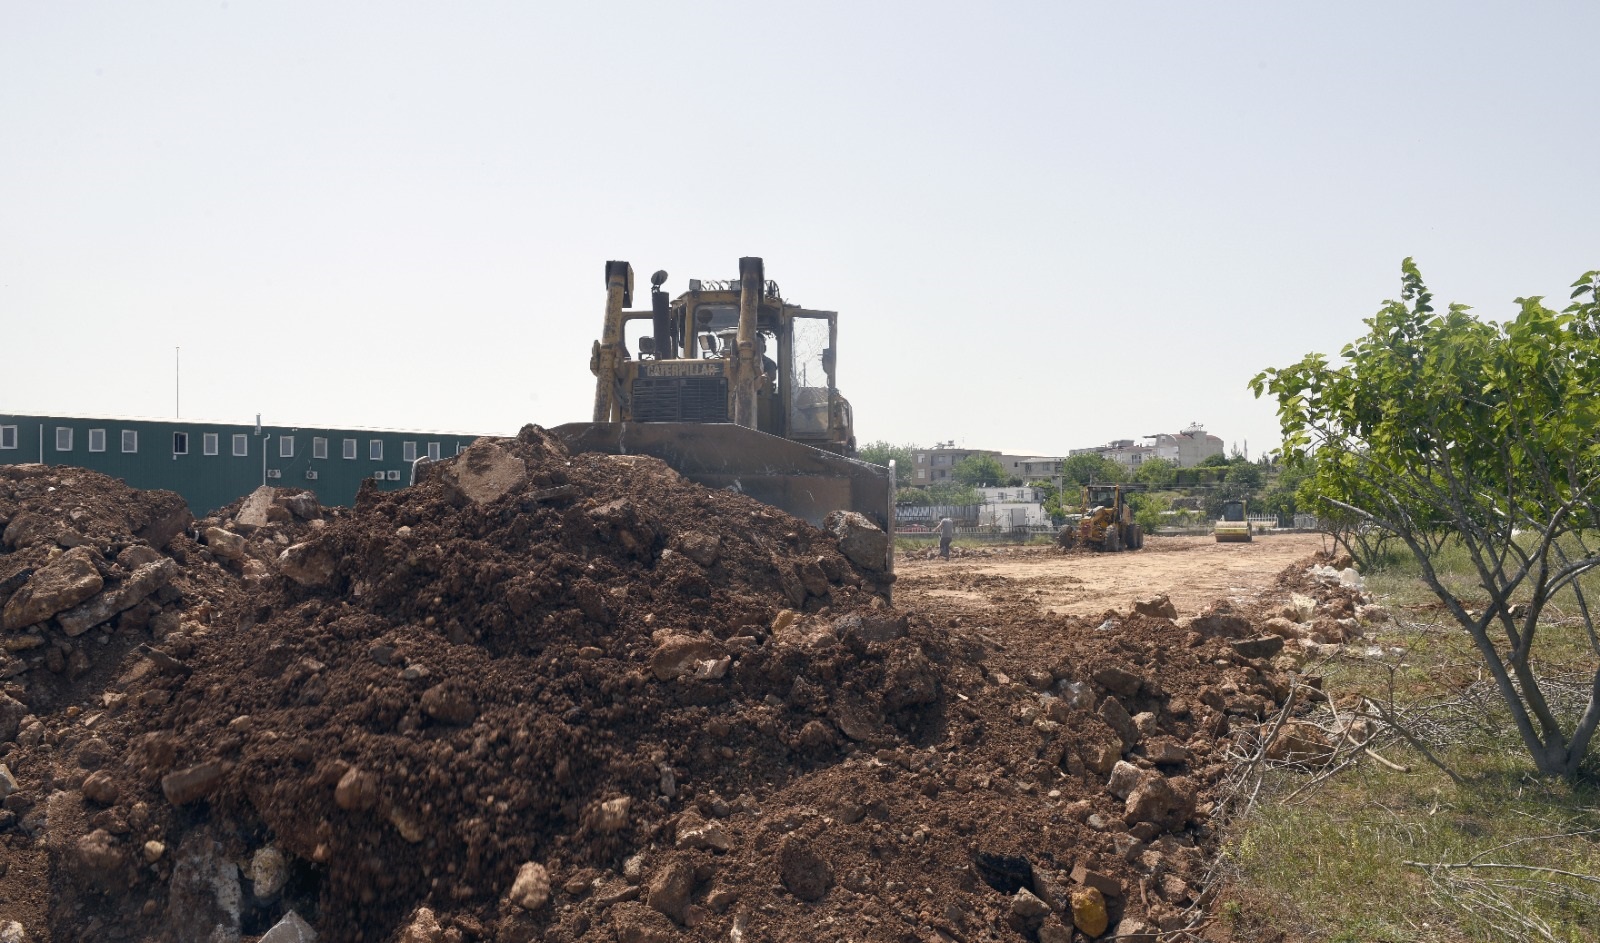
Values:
[(1362, 856)]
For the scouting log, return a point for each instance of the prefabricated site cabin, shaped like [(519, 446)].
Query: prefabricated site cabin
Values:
[(213, 463)]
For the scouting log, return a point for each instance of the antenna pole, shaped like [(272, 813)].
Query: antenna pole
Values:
[(177, 382)]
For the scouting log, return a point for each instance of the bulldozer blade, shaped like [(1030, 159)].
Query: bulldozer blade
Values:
[(806, 482)]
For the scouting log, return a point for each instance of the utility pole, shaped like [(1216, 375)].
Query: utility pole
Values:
[(177, 382)]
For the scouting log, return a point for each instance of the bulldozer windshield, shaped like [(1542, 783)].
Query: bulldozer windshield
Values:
[(810, 376)]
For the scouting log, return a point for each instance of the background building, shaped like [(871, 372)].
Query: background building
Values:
[(1185, 449), (212, 464), (937, 464)]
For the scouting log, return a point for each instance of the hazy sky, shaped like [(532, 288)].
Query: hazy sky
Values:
[(1044, 225)]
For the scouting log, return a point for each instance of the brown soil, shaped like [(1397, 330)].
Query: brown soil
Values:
[(599, 702), (1192, 571)]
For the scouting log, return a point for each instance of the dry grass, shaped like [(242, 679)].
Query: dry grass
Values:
[(1374, 853)]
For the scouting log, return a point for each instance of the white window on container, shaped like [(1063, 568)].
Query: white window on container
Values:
[(8, 437), (350, 448), (241, 444), (210, 442), (180, 443), (63, 438), (375, 450), (433, 451), (97, 440), (286, 446), (408, 451), (130, 441), (319, 447)]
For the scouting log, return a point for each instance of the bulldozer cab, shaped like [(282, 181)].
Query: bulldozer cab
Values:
[(734, 387), (731, 351)]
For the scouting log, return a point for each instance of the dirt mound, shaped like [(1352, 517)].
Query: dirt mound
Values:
[(564, 697)]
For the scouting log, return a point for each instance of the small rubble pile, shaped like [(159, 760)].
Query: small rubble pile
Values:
[(89, 568), (250, 535)]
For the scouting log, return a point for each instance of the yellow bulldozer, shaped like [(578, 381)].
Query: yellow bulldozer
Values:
[(1106, 521), (733, 387), (1234, 525)]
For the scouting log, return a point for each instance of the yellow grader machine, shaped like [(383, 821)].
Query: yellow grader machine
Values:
[(733, 387), (1107, 521)]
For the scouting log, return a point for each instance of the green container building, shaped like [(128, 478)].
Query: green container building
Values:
[(213, 464)]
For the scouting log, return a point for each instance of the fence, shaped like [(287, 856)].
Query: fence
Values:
[(929, 515)]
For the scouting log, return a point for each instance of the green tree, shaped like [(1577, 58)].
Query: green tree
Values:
[(1443, 424), (1246, 473), (882, 452), (953, 493), (979, 471), (1156, 472), (1089, 469), (1214, 461)]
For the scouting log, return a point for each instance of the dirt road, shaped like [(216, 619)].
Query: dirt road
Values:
[(1193, 571)]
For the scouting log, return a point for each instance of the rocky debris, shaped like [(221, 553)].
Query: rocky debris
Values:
[(204, 896), (484, 473), (184, 786), (1302, 743), (1157, 606), (804, 872), (59, 585), (12, 712), (12, 931), (531, 888), (1162, 802), (669, 889), (269, 872), (144, 581), (423, 927), (861, 541), (1089, 911), (310, 563), (226, 545), (290, 929), (1264, 646)]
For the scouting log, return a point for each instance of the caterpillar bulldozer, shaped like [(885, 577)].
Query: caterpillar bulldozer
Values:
[(1106, 522), (733, 387)]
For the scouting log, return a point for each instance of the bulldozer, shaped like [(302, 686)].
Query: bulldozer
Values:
[(1234, 525), (1106, 523), (733, 387)]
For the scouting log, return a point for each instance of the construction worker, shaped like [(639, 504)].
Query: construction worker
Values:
[(947, 530)]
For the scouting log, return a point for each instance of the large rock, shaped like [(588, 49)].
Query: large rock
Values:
[(256, 511), (679, 655), (670, 888), (196, 782), (861, 541), (1300, 742), (169, 517), (144, 581), (802, 870), (1089, 911), (303, 505), (204, 896), (67, 581), (310, 563), (1264, 646), (291, 929), (485, 472), (1158, 606), (532, 887), (1160, 801), (11, 713), (225, 544)]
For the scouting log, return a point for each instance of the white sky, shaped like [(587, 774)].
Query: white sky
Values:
[(1044, 225)]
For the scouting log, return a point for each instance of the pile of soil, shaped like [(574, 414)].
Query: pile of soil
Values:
[(577, 697)]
